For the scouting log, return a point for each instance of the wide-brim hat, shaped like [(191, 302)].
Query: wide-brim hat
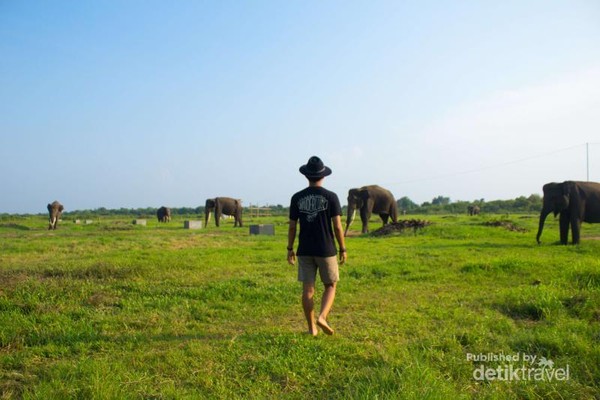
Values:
[(315, 168)]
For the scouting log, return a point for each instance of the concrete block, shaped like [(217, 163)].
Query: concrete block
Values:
[(192, 224), (89, 221), (263, 229), (77, 221), (139, 222)]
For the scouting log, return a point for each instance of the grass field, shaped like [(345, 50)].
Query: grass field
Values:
[(116, 311)]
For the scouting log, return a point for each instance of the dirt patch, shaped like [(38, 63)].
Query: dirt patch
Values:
[(15, 226), (103, 300), (506, 225), (11, 279), (353, 234), (400, 226)]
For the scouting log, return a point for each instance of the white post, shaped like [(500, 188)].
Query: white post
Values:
[(587, 157)]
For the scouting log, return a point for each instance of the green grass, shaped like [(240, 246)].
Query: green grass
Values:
[(116, 311)]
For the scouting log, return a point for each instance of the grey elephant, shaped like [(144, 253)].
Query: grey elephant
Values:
[(163, 214), (576, 202), (371, 199), (223, 206), (473, 210), (55, 210)]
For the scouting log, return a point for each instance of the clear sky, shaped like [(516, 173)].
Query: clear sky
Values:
[(148, 103)]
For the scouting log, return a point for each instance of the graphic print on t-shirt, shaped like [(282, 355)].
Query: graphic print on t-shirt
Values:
[(311, 205)]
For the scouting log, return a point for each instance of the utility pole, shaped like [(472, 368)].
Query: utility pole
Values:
[(587, 158)]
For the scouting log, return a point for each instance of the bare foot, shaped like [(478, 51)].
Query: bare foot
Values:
[(313, 331), (324, 326)]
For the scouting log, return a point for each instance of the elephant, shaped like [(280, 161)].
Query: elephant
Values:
[(55, 210), (473, 210), (576, 202), (371, 199), (223, 205), (163, 214)]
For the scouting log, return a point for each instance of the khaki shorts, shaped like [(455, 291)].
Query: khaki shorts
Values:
[(327, 266)]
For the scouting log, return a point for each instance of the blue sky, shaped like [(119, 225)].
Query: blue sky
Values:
[(148, 103)]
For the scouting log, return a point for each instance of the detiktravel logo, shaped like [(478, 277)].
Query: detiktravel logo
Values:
[(516, 367)]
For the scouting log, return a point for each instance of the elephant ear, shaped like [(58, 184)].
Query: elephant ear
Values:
[(353, 196), (582, 194), (61, 208), (563, 197), (365, 194)]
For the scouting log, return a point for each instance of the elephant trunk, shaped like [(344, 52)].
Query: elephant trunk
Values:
[(394, 213), (350, 218), (543, 215)]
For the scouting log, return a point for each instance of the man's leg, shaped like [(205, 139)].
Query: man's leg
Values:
[(308, 304), (326, 304)]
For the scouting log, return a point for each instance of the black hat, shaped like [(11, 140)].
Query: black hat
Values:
[(315, 168)]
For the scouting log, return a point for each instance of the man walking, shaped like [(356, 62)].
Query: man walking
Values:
[(319, 213)]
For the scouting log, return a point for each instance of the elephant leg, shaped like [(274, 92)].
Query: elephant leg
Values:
[(575, 229), (564, 228), (364, 217), (384, 218)]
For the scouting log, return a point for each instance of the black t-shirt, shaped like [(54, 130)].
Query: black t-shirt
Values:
[(314, 207)]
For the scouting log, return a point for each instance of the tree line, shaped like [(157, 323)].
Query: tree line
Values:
[(443, 205), (438, 205)]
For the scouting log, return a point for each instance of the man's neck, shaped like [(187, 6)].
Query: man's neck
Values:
[(318, 183)]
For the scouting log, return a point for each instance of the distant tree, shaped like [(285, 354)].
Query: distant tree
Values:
[(521, 202), (535, 202), (440, 201), (406, 204)]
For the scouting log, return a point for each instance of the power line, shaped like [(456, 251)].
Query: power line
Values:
[(485, 168)]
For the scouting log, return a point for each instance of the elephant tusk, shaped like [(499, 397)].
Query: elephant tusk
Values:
[(349, 222)]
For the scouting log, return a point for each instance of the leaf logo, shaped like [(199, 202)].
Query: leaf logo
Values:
[(546, 363)]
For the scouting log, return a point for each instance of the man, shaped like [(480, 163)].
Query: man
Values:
[(317, 209)]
